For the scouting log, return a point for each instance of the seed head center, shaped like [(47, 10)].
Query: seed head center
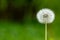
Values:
[(45, 16)]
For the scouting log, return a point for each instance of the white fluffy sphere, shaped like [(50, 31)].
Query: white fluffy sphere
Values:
[(45, 15)]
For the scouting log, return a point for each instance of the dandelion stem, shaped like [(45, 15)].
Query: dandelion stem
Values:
[(46, 31)]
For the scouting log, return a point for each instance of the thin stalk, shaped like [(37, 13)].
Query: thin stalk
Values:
[(46, 31)]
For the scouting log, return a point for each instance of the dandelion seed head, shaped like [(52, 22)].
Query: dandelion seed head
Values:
[(45, 15)]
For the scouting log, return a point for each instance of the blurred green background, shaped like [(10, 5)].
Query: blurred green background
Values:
[(18, 20)]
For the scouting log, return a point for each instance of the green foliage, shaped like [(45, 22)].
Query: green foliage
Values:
[(3, 4), (30, 28)]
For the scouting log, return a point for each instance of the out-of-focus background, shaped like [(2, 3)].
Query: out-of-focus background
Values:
[(18, 20)]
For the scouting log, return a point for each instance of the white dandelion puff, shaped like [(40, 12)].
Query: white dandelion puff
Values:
[(45, 15)]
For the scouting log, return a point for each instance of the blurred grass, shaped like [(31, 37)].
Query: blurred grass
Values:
[(15, 31)]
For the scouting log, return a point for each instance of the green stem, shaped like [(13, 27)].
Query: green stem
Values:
[(46, 31)]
